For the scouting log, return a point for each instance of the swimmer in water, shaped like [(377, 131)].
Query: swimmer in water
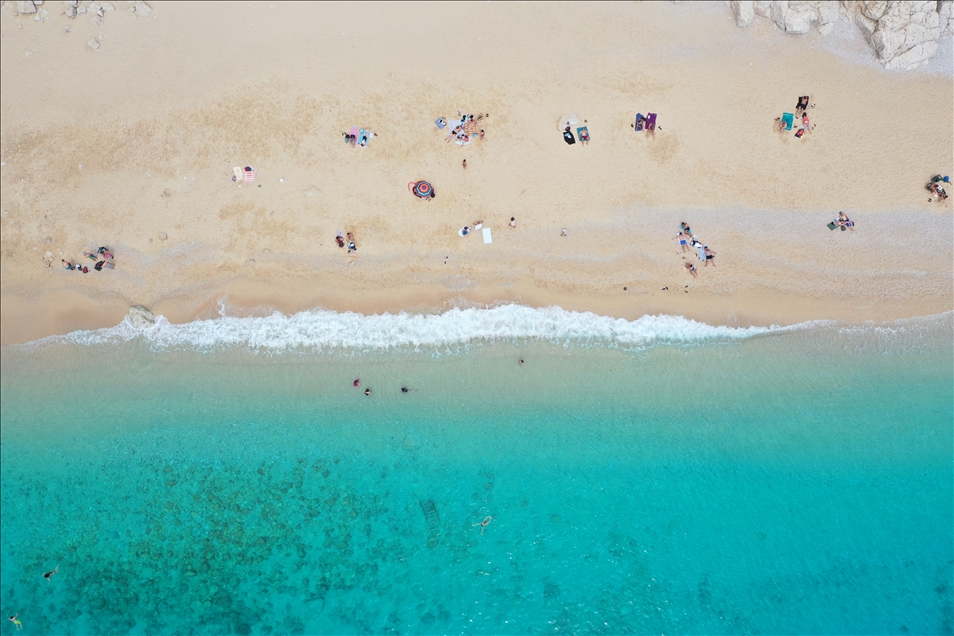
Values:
[(356, 383), (367, 391), (49, 575), (403, 389), (16, 621), (483, 524), (521, 362)]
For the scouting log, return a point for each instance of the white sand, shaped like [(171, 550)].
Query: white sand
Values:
[(159, 115)]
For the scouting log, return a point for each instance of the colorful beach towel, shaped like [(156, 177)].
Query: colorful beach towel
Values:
[(249, 174)]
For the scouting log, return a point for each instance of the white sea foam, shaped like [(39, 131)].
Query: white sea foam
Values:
[(328, 331)]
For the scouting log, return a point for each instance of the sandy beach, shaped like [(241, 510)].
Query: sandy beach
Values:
[(132, 146)]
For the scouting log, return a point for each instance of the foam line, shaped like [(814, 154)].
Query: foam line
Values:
[(321, 330)]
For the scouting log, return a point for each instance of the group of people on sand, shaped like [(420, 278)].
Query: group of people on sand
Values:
[(842, 222), (358, 136), (688, 241), (936, 189), (340, 241), (583, 131), (787, 120), (464, 129), (102, 258)]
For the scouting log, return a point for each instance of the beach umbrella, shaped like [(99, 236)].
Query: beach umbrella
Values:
[(568, 120), (423, 189)]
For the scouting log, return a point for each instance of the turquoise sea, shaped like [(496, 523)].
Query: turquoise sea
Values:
[(649, 476)]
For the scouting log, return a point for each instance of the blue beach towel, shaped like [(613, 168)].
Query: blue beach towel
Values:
[(639, 122), (788, 119), (580, 133)]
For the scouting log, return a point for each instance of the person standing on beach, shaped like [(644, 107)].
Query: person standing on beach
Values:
[(464, 164), (513, 222), (683, 242)]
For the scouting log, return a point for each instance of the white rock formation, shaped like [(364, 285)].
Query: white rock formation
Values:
[(26, 7), (140, 317), (903, 33)]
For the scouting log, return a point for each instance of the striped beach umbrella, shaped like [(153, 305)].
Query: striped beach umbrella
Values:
[(422, 189)]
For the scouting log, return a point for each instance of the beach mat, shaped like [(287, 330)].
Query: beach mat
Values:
[(832, 226), (487, 239), (788, 119)]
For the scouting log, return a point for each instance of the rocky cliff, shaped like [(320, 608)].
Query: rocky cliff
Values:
[(903, 33)]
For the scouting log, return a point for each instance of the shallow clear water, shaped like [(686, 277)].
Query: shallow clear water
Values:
[(794, 481)]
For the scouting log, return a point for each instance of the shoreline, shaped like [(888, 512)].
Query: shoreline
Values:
[(125, 154), (717, 298), (761, 280)]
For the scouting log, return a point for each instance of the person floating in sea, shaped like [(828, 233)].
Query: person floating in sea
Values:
[(367, 391), (49, 575), (483, 524), (13, 619), (356, 383), (403, 389)]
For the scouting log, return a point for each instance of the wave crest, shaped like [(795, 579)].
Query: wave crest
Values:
[(328, 331)]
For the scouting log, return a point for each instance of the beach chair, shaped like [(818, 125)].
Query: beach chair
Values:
[(650, 121), (788, 119)]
